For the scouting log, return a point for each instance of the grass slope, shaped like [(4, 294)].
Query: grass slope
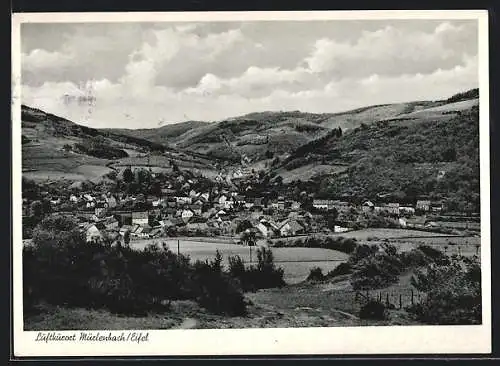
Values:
[(44, 156)]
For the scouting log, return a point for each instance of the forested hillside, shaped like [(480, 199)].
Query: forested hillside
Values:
[(403, 160)]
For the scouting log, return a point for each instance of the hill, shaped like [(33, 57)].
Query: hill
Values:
[(264, 135), (56, 148), (431, 152), (162, 134)]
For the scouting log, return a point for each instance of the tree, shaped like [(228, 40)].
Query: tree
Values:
[(126, 238), (36, 209), (249, 238), (243, 225), (128, 176)]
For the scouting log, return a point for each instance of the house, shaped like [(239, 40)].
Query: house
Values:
[(267, 228), (169, 212), (111, 223), (402, 222), (143, 231), (100, 209), (88, 197), (423, 205), (196, 209), (124, 229), (258, 202), (341, 206), (436, 206), (111, 201), (249, 205), (295, 206), (291, 228), (166, 223), (177, 221), (186, 215), (183, 200), (407, 210), (73, 199), (140, 217), (205, 196), (156, 203), (339, 229), (367, 206), (92, 233), (323, 204), (194, 194), (416, 222), (156, 233), (55, 202), (197, 226), (239, 199), (392, 208), (220, 213), (222, 199), (167, 192)]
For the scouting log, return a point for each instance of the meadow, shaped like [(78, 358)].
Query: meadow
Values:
[(296, 262)]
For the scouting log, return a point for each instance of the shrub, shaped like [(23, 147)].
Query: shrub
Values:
[(63, 269), (217, 291), (434, 255), (414, 258), (263, 275), (453, 293), (316, 274), (377, 270), (342, 269), (373, 310)]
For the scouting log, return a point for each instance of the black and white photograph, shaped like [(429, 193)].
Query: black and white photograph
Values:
[(233, 173)]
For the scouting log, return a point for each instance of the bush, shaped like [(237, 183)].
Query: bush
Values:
[(342, 269), (264, 275), (316, 274), (373, 310), (414, 258), (434, 255), (453, 293), (63, 269), (217, 291), (377, 270)]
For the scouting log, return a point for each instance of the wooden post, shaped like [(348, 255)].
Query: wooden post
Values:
[(387, 299), (412, 296), (250, 253), (400, 301), (178, 247)]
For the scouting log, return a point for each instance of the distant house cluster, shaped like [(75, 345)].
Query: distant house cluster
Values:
[(187, 205)]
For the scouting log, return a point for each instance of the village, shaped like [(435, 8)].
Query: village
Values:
[(187, 204)]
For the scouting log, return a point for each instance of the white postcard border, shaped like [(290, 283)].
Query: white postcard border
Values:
[(295, 341)]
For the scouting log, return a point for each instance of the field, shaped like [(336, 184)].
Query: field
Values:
[(308, 171), (296, 262), (405, 240)]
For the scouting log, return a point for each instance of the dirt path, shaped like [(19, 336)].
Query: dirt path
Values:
[(188, 323)]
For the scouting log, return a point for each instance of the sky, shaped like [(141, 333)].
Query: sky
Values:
[(145, 75)]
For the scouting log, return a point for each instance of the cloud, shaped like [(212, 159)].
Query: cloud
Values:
[(392, 51), (138, 74), (38, 60)]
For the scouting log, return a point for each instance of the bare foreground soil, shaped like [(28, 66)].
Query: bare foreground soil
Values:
[(299, 305)]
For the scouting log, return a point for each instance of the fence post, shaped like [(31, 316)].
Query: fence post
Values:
[(387, 299), (178, 247), (400, 301), (412, 296)]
